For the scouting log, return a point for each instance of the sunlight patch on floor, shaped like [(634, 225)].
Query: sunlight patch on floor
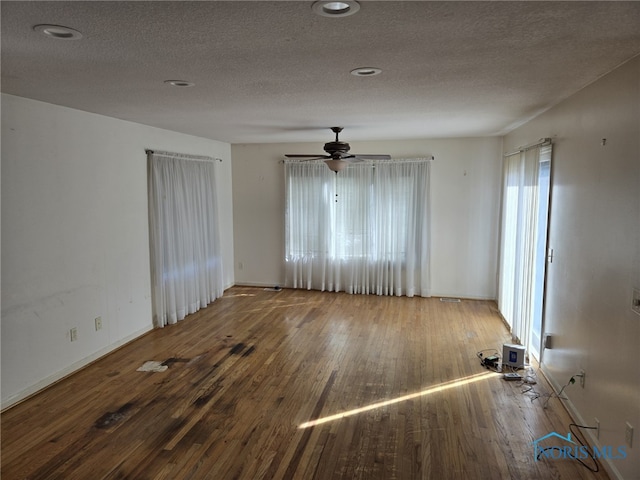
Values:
[(437, 388)]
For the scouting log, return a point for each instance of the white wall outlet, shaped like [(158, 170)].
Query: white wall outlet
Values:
[(98, 323), (597, 427), (628, 435), (582, 378), (635, 302), (73, 334)]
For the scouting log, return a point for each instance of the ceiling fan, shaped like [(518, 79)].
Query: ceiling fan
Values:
[(338, 156)]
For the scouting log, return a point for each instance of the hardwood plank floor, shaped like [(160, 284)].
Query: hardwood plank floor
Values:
[(393, 385)]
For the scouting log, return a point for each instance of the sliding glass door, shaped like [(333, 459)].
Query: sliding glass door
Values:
[(544, 184), (525, 208)]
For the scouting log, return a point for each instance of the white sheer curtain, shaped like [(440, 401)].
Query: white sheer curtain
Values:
[(186, 264), (518, 252), (363, 230)]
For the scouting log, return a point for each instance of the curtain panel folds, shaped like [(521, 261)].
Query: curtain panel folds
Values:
[(518, 266), (364, 230), (186, 263)]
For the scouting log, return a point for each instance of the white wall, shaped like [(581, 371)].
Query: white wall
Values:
[(75, 236), (595, 235), (465, 185)]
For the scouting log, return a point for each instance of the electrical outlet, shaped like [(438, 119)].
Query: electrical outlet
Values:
[(98, 323), (582, 377), (597, 428), (73, 334), (628, 435)]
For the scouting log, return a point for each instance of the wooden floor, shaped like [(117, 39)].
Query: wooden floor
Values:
[(393, 384)]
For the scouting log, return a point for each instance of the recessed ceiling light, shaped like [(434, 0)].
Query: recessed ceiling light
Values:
[(335, 9), (366, 72), (179, 83), (58, 31)]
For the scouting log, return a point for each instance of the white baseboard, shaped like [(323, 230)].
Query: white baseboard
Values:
[(611, 469), (462, 296), (51, 379), (255, 284), (433, 295)]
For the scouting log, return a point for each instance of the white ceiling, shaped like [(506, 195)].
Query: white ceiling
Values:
[(276, 72)]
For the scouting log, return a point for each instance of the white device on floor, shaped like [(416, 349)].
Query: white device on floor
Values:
[(513, 355)]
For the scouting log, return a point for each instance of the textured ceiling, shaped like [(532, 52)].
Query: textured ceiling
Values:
[(276, 72)]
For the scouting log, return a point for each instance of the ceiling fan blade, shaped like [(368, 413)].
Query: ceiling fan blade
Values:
[(372, 157), (305, 158), (313, 156)]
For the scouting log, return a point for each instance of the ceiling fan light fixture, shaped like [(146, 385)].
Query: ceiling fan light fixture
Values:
[(337, 154), (58, 32), (343, 8), (336, 165), (366, 71)]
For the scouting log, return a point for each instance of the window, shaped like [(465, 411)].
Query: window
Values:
[(364, 230)]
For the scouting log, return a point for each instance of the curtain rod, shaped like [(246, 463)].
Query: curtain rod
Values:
[(186, 156), (540, 143)]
